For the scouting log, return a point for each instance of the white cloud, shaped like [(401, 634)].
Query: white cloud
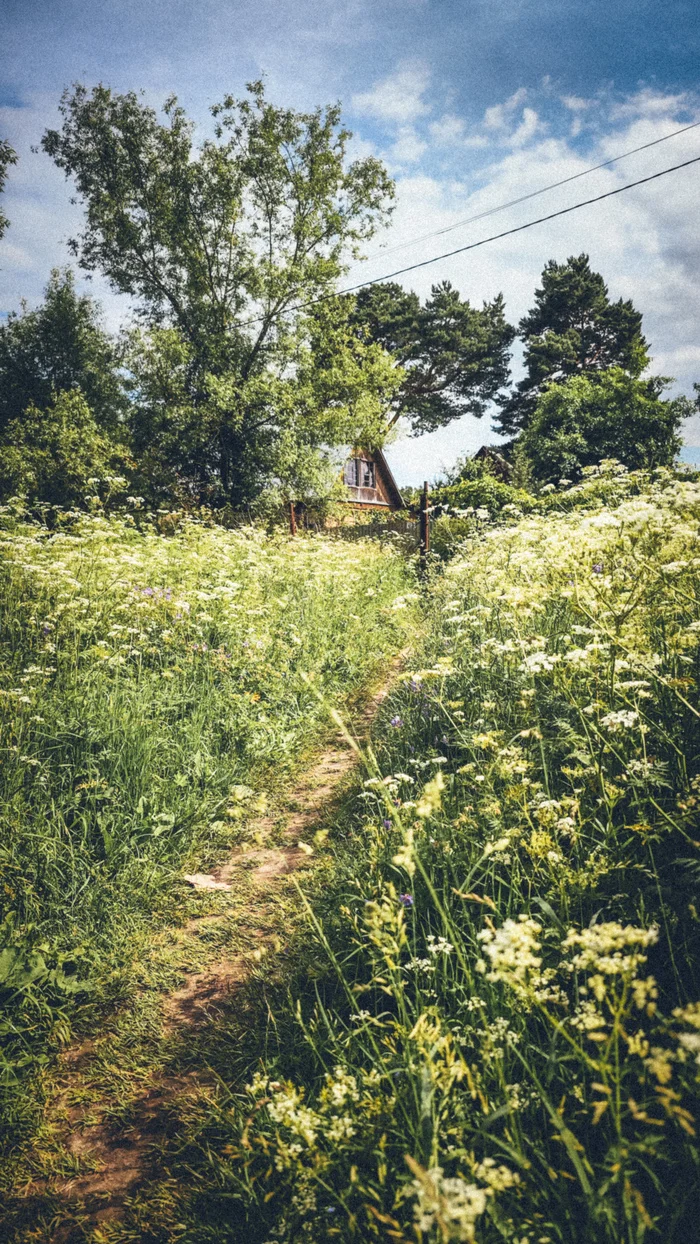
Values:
[(575, 103), (649, 103), (408, 148), (448, 130), (498, 116), (399, 98), (527, 129)]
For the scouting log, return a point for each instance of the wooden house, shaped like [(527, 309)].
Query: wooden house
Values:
[(370, 483), (498, 464)]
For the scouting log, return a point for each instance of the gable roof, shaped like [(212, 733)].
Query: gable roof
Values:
[(391, 485)]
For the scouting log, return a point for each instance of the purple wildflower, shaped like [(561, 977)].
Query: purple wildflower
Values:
[(386, 823), (396, 721), (406, 900), (598, 568)]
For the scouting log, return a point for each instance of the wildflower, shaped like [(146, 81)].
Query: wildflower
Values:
[(624, 719), (439, 946), (689, 1041), (450, 1204), (511, 951), (431, 797), (498, 1178), (601, 947), (406, 900), (404, 856), (396, 722)]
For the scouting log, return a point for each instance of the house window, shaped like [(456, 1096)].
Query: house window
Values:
[(360, 473)]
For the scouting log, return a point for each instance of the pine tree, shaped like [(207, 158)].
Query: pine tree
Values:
[(455, 357), (573, 329)]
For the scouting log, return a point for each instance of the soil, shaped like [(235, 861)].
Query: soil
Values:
[(113, 1158)]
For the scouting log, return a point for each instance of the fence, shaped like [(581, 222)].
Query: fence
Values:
[(359, 531)]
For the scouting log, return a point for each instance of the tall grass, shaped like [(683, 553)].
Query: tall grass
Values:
[(505, 1044), (150, 692)]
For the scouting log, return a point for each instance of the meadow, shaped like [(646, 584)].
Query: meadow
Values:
[(151, 697), (504, 1043), (486, 1023)]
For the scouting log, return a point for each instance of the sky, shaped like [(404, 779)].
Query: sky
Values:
[(470, 103)]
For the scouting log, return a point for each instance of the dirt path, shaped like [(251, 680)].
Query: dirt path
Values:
[(104, 1155)]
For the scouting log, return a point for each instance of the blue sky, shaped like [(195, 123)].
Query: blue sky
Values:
[(470, 103)]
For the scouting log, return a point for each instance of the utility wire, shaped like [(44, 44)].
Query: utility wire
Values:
[(508, 232), (491, 211), (495, 237)]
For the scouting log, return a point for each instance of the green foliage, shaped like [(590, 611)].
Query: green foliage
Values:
[(58, 455), (454, 356), (227, 249), (584, 419), (485, 492), (7, 157), (150, 690), (572, 329), (59, 347), (504, 1044), (471, 495)]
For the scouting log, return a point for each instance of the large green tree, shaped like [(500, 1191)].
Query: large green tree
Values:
[(608, 414), (7, 157), (573, 329), (227, 249), (59, 347), (454, 356), (59, 455)]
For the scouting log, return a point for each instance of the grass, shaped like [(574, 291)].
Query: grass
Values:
[(495, 1034), (483, 1022), (151, 700)]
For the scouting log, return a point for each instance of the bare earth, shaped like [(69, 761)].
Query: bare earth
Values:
[(113, 1159)]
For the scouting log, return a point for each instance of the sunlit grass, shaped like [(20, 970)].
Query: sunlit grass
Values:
[(151, 699), (505, 1042)]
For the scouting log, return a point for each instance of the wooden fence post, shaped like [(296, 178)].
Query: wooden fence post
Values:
[(424, 529), (292, 519)]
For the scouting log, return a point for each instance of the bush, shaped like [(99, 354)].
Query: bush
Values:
[(58, 455), (581, 420)]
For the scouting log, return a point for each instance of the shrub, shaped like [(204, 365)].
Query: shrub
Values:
[(58, 455), (611, 414)]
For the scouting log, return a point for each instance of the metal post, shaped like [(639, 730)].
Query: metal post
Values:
[(292, 519), (424, 527)]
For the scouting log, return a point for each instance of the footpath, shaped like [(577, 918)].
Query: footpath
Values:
[(120, 1096)]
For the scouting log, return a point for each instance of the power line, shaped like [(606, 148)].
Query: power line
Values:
[(495, 237), (508, 232), (492, 211)]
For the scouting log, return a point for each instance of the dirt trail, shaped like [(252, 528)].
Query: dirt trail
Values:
[(113, 1159)]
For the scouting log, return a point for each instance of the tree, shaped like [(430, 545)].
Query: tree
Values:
[(7, 157), (609, 414), (337, 385), (59, 347), (573, 329), (454, 356), (227, 247), (58, 454)]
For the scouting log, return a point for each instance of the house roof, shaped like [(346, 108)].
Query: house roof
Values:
[(391, 485)]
